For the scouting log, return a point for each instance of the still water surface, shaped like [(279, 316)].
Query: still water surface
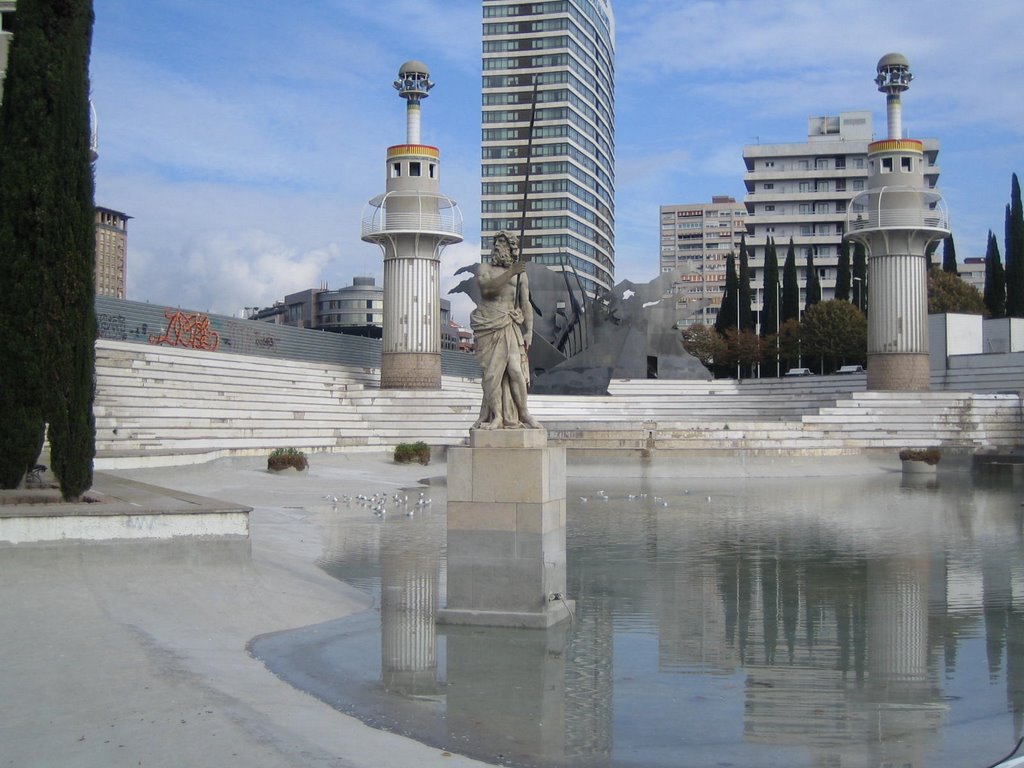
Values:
[(790, 622)]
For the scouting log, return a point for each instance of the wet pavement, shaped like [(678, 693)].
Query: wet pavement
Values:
[(134, 653)]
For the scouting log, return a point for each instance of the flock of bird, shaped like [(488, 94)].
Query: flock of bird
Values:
[(602, 496), (379, 503)]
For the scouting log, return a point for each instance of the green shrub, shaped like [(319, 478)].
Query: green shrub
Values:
[(406, 453), (927, 455), (283, 458)]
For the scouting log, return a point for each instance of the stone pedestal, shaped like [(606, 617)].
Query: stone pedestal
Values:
[(506, 531)]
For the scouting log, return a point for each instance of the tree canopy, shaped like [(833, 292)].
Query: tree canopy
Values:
[(948, 293), (834, 331)]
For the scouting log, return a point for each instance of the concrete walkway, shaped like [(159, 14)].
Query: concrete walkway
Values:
[(133, 653)]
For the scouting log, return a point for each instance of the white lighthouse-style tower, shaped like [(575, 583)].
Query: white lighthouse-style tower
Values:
[(896, 219), (412, 222)]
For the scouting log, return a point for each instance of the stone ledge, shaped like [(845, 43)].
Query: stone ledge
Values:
[(553, 613), (116, 508)]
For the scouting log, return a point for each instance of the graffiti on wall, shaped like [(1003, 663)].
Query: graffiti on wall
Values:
[(115, 327), (249, 340), (192, 331)]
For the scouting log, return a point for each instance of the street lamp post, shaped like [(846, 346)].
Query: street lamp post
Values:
[(860, 292), (737, 334)]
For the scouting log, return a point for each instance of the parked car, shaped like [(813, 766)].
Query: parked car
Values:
[(851, 369), (799, 372)]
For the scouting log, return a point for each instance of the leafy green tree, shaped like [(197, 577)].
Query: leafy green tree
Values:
[(704, 343), (835, 332), (1014, 252), (995, 279), (843, 272), (860, 277), (790, 286), (811, 282), (948, 293), (949, 256), (730, 299), (47, 244), (745, 293), (743, 349), (770, 290)]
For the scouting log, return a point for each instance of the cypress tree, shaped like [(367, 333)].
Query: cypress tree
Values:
[(811, 282), (860, 277), (770, 290), (47, 242), (843, 272), (790, 286), (745, 296), (1014, 243), (995, 279), (727, 312), (949, 256)]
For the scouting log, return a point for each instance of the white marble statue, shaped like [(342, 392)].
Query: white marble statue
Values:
[(503, 326)]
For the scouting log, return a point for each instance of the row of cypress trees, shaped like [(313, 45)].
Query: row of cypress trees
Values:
[(47, 246), (1004, 287), (737, 301)]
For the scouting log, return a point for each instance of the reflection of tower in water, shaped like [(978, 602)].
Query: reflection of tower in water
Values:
[(903, 704), (410, 564), (589, 680)]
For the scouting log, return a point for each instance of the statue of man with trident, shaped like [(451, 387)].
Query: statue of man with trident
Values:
[(503, 326)]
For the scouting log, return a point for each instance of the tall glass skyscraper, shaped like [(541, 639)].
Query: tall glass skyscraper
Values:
[(549, 66)]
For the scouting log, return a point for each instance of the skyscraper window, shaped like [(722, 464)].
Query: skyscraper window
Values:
[(573, 78)]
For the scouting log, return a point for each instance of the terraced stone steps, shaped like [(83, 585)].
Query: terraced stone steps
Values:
[(157, 404)]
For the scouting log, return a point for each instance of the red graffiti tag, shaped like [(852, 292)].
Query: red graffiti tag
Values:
[(192, 331)]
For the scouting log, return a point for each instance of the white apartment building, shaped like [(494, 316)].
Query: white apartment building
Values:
[(802, 191), (549, 67), (696, 239)]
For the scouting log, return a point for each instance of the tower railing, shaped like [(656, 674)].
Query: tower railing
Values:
[(890, 210), (410, 211)]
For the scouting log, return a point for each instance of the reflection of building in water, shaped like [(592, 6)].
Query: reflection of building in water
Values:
[(692, 626), (409, 572), (835, 648)]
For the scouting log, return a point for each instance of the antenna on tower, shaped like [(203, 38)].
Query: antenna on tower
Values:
[(413, 85), (893, 78)]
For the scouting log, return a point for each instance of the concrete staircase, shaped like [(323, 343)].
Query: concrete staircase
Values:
[(160, 405)]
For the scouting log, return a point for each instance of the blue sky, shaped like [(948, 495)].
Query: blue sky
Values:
[(245, 138)]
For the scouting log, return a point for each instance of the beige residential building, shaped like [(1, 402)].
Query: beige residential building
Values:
[(696, 239), (111, 252), (803, 190)]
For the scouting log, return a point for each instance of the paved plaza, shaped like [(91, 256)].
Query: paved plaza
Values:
[(134, 653)]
